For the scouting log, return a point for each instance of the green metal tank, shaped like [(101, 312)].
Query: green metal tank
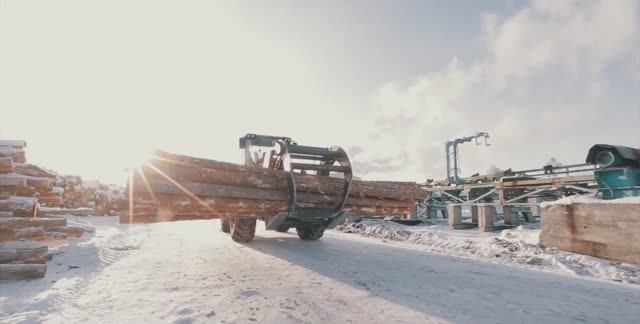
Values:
[(618, 173)]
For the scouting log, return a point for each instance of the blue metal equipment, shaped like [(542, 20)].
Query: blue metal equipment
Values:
[(618, 173)]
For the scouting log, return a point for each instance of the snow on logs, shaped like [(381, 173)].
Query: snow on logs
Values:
[(178, 187)]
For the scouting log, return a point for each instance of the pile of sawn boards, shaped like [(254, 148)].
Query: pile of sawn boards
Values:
[(23, 187), (20, 179), (178, 187)]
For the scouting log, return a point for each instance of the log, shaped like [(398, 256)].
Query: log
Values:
[(247, 193), (55, 236), (16, 144), (30, 233), (17, 222), (6, 214), (265, 213), (6, 164), (48, 211), (6, 194), (166, 215), (17, 155), (176, 187), (22, 271), (33, 170), (183, 168), (183, 202), (7, 256), (19, 205), (75, 231), (24, 180), (25, 191), (10, 181), (50, 201)]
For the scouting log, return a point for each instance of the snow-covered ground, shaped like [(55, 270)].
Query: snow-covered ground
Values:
[(515, 247), (188, 272)]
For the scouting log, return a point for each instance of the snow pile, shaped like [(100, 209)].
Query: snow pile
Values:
[(519, 247), (590, 199)]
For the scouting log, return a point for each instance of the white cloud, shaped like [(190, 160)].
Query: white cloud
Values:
[(538, 90)]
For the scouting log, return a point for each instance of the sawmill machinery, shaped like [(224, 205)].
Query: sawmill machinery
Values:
[(453, 159), (618, 170), (282, 153)]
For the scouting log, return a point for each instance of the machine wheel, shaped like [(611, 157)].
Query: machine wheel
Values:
[(282, 229), (310, 233), (225, 225), (243, 229)]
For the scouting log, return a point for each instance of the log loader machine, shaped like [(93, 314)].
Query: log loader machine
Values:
[(282, 153)]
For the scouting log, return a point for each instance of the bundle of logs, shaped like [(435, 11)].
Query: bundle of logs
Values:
[(78, 194), (23, 188), (177, 187)]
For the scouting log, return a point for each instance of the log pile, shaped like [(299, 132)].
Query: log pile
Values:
[(78, 194), (23, 189), (177, 187)]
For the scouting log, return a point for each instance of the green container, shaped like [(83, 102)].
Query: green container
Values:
[(618, 182)]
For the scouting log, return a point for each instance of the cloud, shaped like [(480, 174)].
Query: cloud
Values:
[(540, 89)]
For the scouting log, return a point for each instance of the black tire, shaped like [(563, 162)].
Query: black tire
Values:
[(310, 233), (225, 225), (282, 229), (243, 229)]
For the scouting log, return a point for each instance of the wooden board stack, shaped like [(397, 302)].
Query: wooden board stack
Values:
[(177, 187), (23, 188), (20, 179)]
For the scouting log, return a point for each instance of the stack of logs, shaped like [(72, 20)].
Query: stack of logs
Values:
[(177, 187), (20, 179), (23, 187)]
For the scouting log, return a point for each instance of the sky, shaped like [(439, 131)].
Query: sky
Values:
[(94, 86)]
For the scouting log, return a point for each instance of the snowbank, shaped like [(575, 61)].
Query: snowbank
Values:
[(517, 247), (590, 199)]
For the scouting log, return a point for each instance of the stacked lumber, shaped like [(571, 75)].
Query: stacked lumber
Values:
[(23, 188), (178, 187), (23, 260), (19, 179)]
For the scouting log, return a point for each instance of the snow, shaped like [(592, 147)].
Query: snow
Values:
[(515, 247), (590, 199), (190, 272)]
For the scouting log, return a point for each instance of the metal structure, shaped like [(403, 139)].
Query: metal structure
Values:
[(517, 189), (453, 158), (283, 153), (612, 171)]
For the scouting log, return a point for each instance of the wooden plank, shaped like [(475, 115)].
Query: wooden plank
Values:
[(6, 164), (21, 205), (7, 256), (51, 211), (17, 222), (22, 180), (22, 271), (33, 170), (17, 155), (13, 181), (16, 144), (606, 230)]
